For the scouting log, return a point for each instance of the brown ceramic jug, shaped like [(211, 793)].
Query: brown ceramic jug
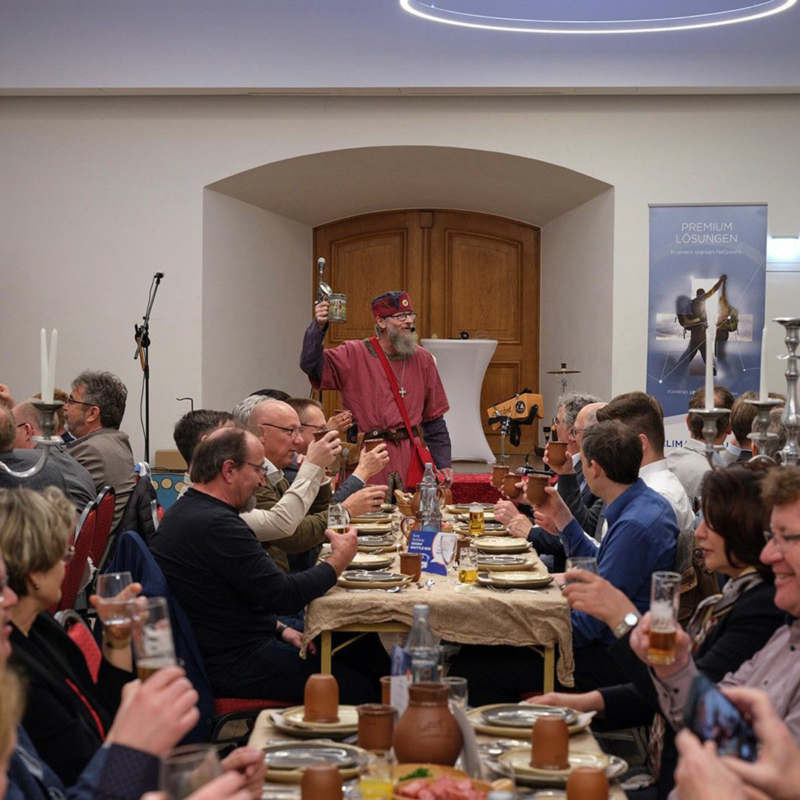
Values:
[(427, 733)]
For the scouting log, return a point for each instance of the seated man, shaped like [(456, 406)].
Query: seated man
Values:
[(21, 460), (95, 409), (80, 486), (739, 447), (192, 428), (231, 590), (640, 540)]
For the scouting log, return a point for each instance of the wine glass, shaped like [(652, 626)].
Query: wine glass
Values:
[(449, 544), (186, 769), (115, 612), (459, 695)]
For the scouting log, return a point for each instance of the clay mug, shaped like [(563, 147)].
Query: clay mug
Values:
[(499, 472), (510, 485), (375, 726), (386, 690), (321, 699), (411, 564), (371, 444), (535, 489), (550, 743), (587, 783), (321, 782), (557, 453)]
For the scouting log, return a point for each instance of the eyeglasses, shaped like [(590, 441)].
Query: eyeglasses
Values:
[(403, 316), (314, 427), (293, 432), (68, 556), (576, 431), (262, 468), (781, 542), (71, 401)]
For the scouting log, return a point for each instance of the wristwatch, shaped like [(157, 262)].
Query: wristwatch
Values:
[(279, 629), (629, 622)]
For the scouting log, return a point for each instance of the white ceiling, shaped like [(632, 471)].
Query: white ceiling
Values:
[(357, 181), (367, 46)]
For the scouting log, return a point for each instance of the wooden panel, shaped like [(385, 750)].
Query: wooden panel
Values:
[(483, 276), (501, 381)]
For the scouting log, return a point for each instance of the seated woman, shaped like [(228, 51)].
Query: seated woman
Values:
[(67, 715), (726, 629)]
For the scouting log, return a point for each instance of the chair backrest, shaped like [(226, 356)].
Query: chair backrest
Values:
[(138, 514), (82, 541), (79, 632), (105, 516), (131, 555)]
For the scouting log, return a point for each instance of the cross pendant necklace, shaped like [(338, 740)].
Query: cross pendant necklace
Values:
[(402, 377)]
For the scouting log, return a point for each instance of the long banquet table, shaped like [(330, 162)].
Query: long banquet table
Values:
[(523, 618)]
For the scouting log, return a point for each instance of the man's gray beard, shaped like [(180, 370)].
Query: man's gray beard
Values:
[(402, 343), (249, 504)]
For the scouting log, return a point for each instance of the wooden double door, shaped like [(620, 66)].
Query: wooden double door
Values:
[(465, 272)]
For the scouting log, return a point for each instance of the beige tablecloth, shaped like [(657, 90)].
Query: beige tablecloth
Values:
[(486, 616)]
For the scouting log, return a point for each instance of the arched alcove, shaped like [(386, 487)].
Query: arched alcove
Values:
[(257, 250)]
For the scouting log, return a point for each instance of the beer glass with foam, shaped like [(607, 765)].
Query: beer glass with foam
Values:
[(338, 518), (665, 593)]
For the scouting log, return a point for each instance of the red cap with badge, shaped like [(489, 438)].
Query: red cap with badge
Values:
[(391, 303)]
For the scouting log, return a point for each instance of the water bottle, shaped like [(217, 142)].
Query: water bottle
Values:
[(429, 509), (423, 648)]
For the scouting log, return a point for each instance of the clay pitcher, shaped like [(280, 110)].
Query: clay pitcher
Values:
[(427, 733)]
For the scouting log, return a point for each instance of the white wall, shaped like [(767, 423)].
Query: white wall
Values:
[(578, 269), (99, 193), (256, 280)]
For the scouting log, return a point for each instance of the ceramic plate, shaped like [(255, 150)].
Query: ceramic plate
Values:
[(372, 516), (519, 759), (348, 718), (280, 792), (475, 716), (372, 561), (373, 527), (523, 715), (616, 767), (299, 732), (518, 580), (501, 544), (287, 761), (372, 580), (504, 563), (496, 528)]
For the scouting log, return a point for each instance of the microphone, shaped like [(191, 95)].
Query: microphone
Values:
[(159, 275), (413, 330), (320, 263)]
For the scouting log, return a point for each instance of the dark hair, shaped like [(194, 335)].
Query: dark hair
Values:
[(734, 509), (211, 454), (742, 416), (107, 392), (302, 404), (616, 448), (722, 399), (275, 394), (191, 427), (639, 412), (781, 487)]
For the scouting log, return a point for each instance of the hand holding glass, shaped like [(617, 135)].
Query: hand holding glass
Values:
[(665, 595), (338, 518)]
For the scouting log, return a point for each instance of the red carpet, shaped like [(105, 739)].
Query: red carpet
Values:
[(474, 489)]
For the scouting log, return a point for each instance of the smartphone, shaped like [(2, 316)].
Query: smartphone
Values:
[(710, 715)]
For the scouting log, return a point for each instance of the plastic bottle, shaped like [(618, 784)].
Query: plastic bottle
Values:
[(429, 509), (423, 647)]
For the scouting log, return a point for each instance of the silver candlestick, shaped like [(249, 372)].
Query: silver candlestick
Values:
[(47, 422), (710, 417), (761, 424), (790, 454)]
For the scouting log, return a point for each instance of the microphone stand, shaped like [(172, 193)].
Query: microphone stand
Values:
[(143, 354)]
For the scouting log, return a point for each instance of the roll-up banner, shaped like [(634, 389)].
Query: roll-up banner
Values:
[(704, 256)]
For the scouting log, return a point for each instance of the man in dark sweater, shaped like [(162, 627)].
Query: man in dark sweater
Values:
[(231, 590)]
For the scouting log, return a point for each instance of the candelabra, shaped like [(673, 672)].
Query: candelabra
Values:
[(790, 454), (710, 417), (761, 423), (47, 422)]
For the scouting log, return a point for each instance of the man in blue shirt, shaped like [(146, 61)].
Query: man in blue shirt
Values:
[(641, 539)]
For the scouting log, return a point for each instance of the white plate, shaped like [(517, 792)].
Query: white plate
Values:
[(371, 561), (519, 759), (501, 544), (348, 718), (368, 582), (518, 580), (524, 715)]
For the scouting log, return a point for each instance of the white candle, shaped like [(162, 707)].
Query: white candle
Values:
[(711, 332), (763, 392), (51, 367), (43, 361)]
